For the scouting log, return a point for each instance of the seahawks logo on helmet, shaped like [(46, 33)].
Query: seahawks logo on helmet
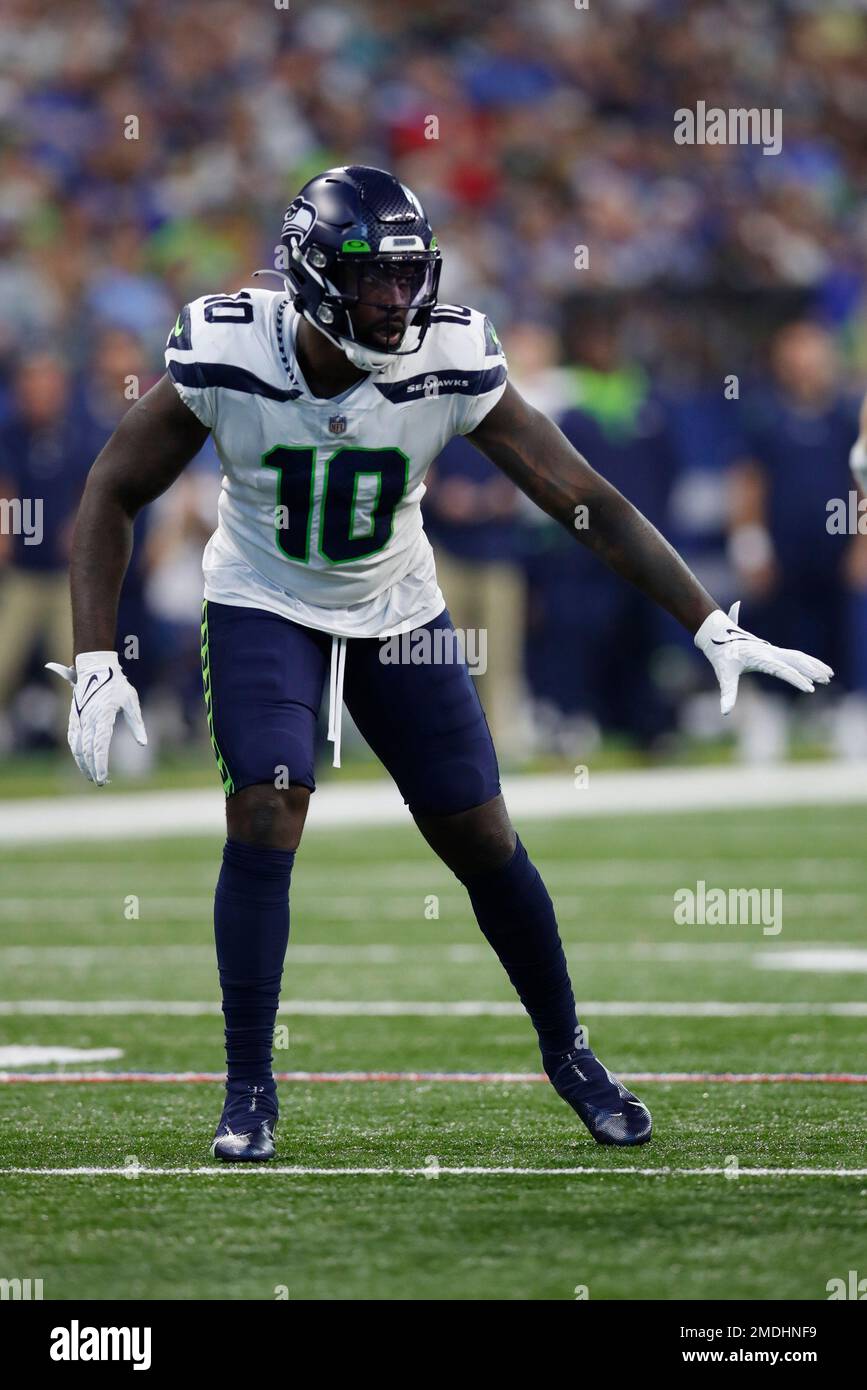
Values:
[(299, 221)]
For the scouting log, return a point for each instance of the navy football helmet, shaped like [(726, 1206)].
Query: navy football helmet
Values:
[(355, 238)]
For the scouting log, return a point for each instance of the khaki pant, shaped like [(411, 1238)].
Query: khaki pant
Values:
[(492, 596), (33, 606)]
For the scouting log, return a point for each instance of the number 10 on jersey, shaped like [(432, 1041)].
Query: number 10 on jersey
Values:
[(340, 539)]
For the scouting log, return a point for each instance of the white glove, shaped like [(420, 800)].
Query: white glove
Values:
[(731, 650), (100, 690)]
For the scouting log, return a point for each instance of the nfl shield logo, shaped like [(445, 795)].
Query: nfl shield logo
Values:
[(337, 424)]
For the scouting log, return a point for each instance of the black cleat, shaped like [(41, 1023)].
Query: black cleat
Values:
[(245, 1133), (612, 1114)]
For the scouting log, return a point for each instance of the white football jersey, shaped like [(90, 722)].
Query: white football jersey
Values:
[(319, 512)]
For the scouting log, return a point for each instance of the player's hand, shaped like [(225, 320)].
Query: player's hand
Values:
[(99, 691), (731, 650)]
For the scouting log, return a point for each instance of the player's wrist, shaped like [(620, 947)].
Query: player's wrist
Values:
[(85, 662), (712, 629)]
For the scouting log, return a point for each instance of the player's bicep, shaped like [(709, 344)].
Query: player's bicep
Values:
[(511, 414), (150, 448), (531, 450)]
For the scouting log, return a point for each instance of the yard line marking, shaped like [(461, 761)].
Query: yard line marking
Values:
[(819, 955), (795, 904), (611, 872), (831, 959), (640, 902), (19, 1055), (482, 1078), (141, 815), (135, 1170), (422, 1008)]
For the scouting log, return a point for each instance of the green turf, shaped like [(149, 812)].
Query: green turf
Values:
[(66, 933)]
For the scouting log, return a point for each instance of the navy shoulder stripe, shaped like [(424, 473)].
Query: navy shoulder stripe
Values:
[(200, 375), (445, 383)]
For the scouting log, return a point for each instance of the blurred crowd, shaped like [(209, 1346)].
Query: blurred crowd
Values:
[(693, 315)]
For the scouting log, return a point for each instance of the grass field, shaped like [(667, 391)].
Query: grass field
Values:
[(364, 937)]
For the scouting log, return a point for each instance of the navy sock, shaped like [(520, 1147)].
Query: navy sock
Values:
[(251, 929), (515, 913)]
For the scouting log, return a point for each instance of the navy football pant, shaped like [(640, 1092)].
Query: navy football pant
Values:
[(264, 684)]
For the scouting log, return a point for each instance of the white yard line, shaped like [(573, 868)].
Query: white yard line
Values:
[(102, 815), (31, 1054), (108, 879), (425, 1078), (431, 1170), (821, 955), (407, 908), (428, 1008)]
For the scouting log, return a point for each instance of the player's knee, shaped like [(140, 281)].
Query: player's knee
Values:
[(487, 847), (472, 842), (268, 816)]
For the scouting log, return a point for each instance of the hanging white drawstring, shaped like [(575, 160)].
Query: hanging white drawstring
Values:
[(335, 694)]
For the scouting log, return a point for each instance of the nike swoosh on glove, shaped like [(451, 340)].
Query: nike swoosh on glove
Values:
[(99, 691), (731, 650)]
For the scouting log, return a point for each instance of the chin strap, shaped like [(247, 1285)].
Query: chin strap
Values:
[(335, 694), (366, 359)]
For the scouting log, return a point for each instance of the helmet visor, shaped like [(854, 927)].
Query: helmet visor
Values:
[(383, 295)]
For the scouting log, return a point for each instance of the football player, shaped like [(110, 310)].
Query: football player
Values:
[(328, 400)]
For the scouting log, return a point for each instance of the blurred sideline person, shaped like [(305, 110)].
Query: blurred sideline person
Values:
[(799, 577), (43, 467), (593, 680)]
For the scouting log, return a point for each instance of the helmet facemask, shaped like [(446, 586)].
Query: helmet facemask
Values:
[(375, 308), (387, 300)]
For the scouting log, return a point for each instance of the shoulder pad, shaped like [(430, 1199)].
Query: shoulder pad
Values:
[(226, 342)]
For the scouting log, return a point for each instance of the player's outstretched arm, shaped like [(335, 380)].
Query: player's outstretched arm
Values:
[(151, 446), (539, 459)]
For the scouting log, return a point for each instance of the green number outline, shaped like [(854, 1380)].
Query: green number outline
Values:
[(369, 473), (278, 469), (312, 452)]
